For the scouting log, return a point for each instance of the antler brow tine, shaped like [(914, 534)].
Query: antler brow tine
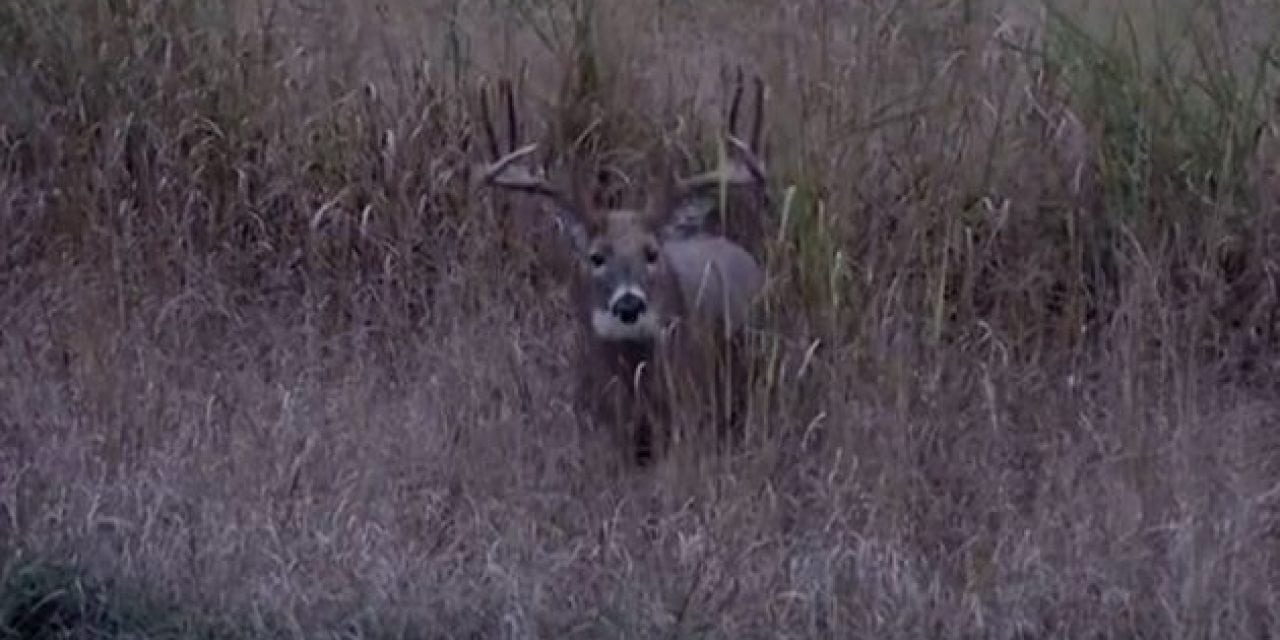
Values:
[(501, 164)]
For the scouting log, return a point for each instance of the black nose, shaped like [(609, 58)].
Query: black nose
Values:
[(628, 307)]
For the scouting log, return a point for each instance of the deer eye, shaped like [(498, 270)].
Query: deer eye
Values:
[(596, 258), (651, 254)]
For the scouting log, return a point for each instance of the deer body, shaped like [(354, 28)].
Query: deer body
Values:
[(695, 296), (661, 304), (717, 277)]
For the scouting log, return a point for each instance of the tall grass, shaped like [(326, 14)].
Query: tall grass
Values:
[(270, 365)]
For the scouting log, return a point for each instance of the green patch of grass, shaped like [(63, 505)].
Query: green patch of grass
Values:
[(46, 599), (1180, 101)]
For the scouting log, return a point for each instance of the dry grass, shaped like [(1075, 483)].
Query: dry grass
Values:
[(270, 367)]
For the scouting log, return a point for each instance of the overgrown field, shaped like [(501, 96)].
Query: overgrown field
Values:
[(272, 366)]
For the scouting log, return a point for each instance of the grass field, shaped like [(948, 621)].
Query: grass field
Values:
[(270, 366)]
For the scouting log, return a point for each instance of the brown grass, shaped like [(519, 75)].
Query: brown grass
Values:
[(269, 366)]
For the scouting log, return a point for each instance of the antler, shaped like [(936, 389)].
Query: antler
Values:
[(504, 171), (744, 166)]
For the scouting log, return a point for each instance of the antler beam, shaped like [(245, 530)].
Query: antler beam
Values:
[(506, 171), (744, 166)]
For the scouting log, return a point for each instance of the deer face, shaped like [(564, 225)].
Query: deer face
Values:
[(630, 280)]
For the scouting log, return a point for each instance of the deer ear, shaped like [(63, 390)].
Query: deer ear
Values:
[(688, 216), (572, 227)]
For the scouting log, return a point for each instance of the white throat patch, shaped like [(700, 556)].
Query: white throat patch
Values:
[(609, 327)]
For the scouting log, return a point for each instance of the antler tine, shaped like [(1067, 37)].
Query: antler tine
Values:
[(665, 182), (748, 156), (505, 173), (758, 116), (745, 170), (733, 105), (486, 122), (745, 167), (513, 131), (493, 171)]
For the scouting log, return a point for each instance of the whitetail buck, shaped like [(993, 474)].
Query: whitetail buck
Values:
[(661, 301)]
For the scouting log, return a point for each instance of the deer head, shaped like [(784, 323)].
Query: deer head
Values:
[(637, 266)]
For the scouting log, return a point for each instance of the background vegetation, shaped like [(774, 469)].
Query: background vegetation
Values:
[(270, 366)]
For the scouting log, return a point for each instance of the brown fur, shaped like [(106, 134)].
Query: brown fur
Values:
[(678, 359), (644, 387)]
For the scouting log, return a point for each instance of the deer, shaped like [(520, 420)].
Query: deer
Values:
[(661, 301)]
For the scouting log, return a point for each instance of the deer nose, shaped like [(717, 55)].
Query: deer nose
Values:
[(628, 307)]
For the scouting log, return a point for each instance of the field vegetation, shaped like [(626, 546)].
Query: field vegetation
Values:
[(271, 365)]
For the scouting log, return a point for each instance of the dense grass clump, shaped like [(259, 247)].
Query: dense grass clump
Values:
[(271, 365)]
